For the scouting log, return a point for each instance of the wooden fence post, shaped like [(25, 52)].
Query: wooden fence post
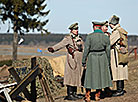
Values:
[(33, 83), (135, 51)]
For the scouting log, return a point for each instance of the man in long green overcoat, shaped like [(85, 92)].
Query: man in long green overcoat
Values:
[(73, 68), (96, 58)]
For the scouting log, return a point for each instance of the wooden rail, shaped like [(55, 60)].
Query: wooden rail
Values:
[(135, 52)]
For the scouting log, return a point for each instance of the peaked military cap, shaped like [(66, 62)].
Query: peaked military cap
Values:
[(73, 26), (97, 23), (114, 20), (100, 23), (105, 23)]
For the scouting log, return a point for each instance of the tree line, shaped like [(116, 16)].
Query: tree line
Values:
[(51, 39)]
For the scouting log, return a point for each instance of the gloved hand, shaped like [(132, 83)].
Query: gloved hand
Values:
[(83, 64), (50, 49)]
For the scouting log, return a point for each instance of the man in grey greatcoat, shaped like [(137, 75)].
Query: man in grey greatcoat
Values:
[(73, 69), (96, 58), (119, 52)]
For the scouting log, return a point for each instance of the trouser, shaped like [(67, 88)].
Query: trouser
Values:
[(69, 90), (70, 93)]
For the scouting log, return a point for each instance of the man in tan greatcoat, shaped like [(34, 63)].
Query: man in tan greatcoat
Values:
[(119, 51), (73, 69)]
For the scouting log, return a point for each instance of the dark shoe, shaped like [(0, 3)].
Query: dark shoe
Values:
[(74, 88), (78, 96), (118, 93), (70, 97)]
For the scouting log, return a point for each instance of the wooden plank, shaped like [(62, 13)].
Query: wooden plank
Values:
[(26, 80), (46, 88), (2, 98), (8, 98), (18, 79), (7, 85), (33, 83), (43, 88)]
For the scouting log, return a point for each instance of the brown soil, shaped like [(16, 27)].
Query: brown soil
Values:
[(131, 87)]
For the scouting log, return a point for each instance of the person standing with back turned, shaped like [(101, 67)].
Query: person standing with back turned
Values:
[(96, 59)]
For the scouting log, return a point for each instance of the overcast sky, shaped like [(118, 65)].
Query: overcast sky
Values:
[(65, 12)]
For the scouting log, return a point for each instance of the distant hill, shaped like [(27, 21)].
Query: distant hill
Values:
[(51, 39)]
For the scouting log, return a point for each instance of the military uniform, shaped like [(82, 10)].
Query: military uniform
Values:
[(97, 58), (97, 47), (119, 71), (73, 69)]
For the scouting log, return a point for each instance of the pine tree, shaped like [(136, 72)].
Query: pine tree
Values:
[(24, 16)]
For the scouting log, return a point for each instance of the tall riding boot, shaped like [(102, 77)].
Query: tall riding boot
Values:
[(120, 87), (97, 95), (70, 93), (75, 93), (87, 95)]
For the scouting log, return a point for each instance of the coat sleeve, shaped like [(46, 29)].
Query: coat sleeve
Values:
[(86, 49), (108, 50), (61, 44), (114, 37), (82, 45)]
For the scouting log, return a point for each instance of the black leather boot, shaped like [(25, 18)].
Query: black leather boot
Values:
[(70, 93), (75, 93), (120, 87)]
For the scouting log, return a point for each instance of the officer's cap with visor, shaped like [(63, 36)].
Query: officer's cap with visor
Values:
[(100, 23), (74, 26)]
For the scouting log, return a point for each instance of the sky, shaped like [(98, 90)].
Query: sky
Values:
[(66, 12)]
